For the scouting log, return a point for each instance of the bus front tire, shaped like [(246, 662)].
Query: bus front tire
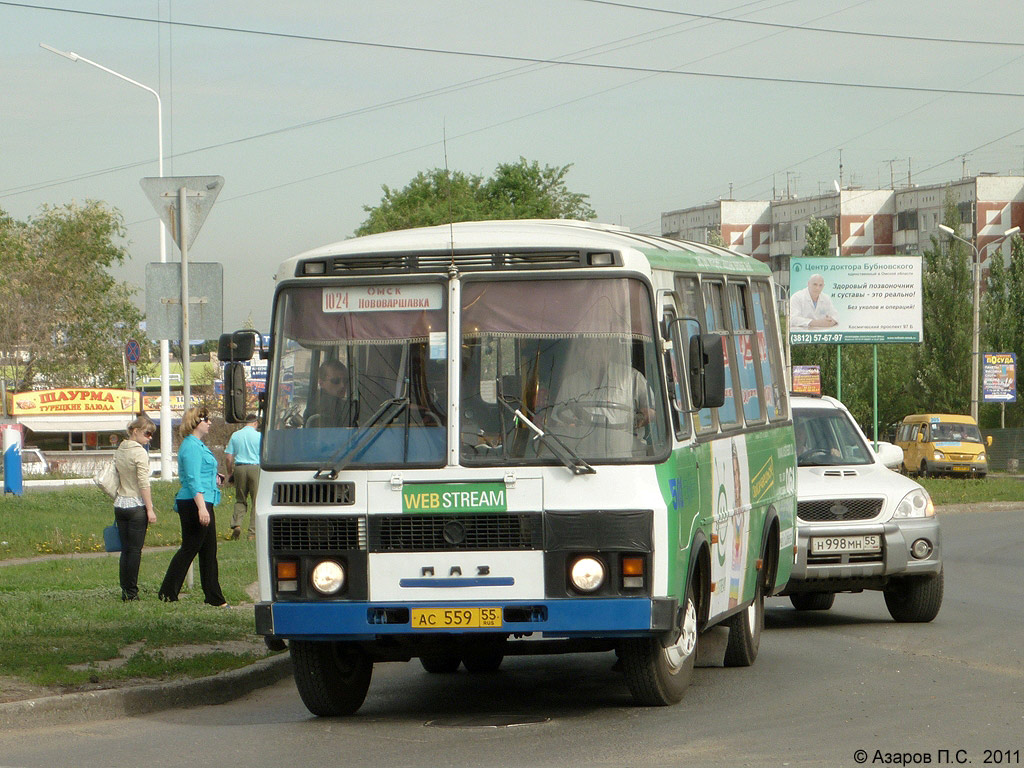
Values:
[(658, 676), (332, 678), (914, 598), (745, 632)]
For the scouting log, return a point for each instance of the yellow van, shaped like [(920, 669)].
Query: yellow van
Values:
[(942, 443)]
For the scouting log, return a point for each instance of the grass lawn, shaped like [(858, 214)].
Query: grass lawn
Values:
[(65, 612), (962, 490)]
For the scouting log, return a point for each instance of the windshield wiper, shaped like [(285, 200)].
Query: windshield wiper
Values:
[(364, 438), (564, 453)]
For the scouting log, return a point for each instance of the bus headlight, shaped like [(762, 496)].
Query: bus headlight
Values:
[(938, 456), (981, 456), (587, 573), (328, 577), (917, 503)]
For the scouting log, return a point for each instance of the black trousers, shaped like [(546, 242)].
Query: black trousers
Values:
[(196, 540), (131, 525)]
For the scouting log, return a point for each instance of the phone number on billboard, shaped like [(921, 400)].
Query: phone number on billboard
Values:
[(816, 338)]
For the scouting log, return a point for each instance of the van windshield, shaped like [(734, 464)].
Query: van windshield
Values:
[(955, 433)]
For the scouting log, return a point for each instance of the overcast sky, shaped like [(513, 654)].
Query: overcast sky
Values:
[(306, 108)]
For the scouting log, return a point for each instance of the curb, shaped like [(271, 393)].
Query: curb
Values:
[(110, 703)]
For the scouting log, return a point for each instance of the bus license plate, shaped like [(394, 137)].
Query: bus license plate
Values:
[(832, 544), (455, 618)]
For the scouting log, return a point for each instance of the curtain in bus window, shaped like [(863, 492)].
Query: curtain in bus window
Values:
[(728, 414), (770, 367), (745, 349)]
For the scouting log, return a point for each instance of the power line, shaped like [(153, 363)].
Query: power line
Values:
[(529, 59), (803, 28)]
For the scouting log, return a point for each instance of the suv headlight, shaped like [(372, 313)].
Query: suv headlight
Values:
[(917, 503)]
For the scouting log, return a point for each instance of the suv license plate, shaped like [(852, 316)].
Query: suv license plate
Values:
[(834, 544), (455, 618)]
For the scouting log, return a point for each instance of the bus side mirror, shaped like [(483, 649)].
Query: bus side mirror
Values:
[(707, 370), (234, 393), (235, 347)]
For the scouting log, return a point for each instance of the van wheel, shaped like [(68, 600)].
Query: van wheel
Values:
[(915, 598), (332, 678), (745, 632), (659, 676), (812, 601)]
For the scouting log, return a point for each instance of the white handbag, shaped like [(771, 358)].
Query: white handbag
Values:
[(107, 480)]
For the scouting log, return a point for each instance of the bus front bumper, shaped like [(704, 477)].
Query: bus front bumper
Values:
[(597, 617)]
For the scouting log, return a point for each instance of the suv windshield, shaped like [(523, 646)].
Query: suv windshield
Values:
[(576, 357), (358, 372), (827, 437)]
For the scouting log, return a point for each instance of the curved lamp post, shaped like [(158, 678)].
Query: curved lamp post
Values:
[(165, 385), (976, 323)]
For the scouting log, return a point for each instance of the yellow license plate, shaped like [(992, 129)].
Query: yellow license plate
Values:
[(455, 618)]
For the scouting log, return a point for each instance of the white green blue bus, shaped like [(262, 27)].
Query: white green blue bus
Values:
[(499, 438)]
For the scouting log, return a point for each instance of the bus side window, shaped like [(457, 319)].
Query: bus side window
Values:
[(714, 304), (746, 353), (673, 372), (693, 306), (772, 377)]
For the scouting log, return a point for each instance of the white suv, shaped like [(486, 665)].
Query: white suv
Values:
[(861, 525)]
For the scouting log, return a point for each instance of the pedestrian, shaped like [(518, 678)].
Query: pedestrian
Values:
[(243, 465), (133, 504), (200, 491)]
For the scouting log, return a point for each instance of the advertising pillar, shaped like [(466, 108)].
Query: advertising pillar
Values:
[(12, 459)]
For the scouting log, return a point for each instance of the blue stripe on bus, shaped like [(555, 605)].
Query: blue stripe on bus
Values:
[(340, 621), (494, 581)]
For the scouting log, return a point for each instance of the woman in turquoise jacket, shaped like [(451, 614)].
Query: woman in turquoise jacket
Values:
[(200, 491)]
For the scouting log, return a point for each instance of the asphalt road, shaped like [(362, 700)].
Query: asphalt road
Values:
[(824, 686)]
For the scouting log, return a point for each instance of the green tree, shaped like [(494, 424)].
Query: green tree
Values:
[(520, 190), (715, 237), (819, 236), (65, 319), (943, 367), (1002, 321)]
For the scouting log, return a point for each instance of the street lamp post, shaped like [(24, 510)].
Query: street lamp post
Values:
[(165, 379), (976, 321)]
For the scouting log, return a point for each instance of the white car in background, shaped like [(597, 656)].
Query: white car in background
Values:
[(860, 525)]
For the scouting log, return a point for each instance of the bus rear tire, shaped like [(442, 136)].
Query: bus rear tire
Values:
[(332, 678), (659, 676), (745, 632)]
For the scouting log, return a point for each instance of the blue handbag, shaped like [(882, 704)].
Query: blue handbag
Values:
[(111, 539)]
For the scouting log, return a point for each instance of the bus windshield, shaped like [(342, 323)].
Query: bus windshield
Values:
[(358, 376), (576, 357)]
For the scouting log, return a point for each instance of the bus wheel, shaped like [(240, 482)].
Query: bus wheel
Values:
[(441, 663), (745, 632), (914, 598), (659, 676), (812, 601), (332, 678)]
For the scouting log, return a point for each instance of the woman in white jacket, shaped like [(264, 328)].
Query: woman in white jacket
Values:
[(133, 505)]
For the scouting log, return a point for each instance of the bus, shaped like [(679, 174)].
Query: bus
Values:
[(498, 438)]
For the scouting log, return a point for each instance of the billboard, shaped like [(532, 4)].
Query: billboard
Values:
[(999, 378), (855, 300)]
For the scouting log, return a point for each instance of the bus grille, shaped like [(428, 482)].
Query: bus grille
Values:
[(311, 534), (428, 533), (838, 510), (305, 494)]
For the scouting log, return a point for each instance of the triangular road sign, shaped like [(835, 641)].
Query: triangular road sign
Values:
[(200, 193)]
